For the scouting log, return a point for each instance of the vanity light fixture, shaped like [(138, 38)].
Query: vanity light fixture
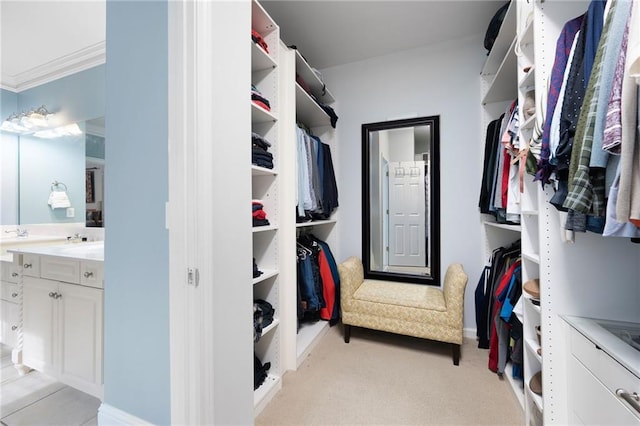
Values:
[(68, 130), (28, 122)]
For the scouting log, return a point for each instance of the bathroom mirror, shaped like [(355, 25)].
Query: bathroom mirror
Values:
[(401, 200), (76, 162)]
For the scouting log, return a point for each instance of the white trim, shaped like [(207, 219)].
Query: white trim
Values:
[(111, 416), (470, 333), (77, 61)]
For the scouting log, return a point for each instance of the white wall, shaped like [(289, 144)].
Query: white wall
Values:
[(434, 80)]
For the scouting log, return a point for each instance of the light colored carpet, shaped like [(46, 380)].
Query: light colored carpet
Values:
[(386, 379)]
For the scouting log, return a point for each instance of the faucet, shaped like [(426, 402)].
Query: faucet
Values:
[(20, 232), (77, 237)]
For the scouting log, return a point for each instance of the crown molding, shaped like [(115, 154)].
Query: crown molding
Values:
[(72, 63)]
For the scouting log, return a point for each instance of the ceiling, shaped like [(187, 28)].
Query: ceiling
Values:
[(40, 36), (332, 32)]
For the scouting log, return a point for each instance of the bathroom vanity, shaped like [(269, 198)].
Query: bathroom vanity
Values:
[(60, 290)]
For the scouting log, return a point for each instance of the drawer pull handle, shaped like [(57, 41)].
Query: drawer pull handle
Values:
[(27, 265), (14, 274), (14, 294), (14, 328), (633, 399), (88, 274)]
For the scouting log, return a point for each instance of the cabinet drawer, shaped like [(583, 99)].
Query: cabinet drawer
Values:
[(91, 274), (31, 265), (10, 272), (56, 268), (9, 291), (609, 374)]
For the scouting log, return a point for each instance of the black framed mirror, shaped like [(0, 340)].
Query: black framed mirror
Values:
[(401, 200)]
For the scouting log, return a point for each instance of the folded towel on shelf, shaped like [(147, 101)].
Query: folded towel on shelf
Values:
[(59, 200)]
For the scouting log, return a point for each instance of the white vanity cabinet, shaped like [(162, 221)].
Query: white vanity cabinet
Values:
[(62, 320), (9, 304)]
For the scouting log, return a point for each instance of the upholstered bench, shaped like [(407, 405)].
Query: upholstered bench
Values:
[(428, 312)]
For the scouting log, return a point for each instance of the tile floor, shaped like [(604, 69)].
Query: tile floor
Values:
[(37, 399)]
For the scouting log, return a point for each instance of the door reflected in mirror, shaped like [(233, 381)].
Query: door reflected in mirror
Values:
[(400, 196)]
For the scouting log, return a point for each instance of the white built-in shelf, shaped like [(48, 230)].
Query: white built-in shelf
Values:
[(262, 22), (274, 324), (262, 171), (537, 399), (527, 81), (534, 257), (503, 86), (503, 42), (533, 346), (308, 111), (308, 336), (266, 274), (529, 212), (261, 396), (515, 384), (535, 307), (267, 228), (261, 115), (316, 223), (260, 60), (316, 85), (508, 227)]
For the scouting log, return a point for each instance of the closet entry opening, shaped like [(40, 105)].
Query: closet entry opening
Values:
[(400, 200)]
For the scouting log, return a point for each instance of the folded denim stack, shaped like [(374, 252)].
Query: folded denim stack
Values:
[(260, 371), (260, 156), (259, 215)]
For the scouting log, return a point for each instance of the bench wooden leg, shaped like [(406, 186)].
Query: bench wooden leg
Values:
[(347, 333), (456, 353)]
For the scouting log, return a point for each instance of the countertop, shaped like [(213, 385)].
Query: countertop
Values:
[(81, 251), (594, 330)]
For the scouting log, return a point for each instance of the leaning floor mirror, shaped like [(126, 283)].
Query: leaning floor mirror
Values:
[(400, 200)]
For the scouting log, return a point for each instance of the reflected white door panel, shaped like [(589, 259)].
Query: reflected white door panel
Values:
[(407, 245)]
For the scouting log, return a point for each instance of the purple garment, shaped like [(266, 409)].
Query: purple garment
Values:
[(563, 49)]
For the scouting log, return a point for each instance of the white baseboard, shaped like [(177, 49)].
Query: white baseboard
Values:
[(470, 333), (111, 416)]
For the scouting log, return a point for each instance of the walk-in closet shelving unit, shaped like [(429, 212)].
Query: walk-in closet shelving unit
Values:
[(265, 186), (499, 82), (593, 277), (309, 114), (530, 125)]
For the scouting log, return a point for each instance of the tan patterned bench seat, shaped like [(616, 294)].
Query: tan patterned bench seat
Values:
[(414, 310)]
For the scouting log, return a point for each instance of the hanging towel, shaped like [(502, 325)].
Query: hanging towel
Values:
[(59, 200)]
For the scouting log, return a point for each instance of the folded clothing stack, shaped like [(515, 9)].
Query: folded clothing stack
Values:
[(256, 37), (260, 371), (256, 271), (260, 156), (259, 215), (259, 99), (262, 317)]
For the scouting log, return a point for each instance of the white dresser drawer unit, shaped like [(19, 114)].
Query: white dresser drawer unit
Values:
[(31, 265), (60, 269)]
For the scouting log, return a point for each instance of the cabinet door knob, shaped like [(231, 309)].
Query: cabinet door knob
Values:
[(14, 274), (14, 294), (27, 265), (57, 295), (88, 274), (14, 328), (52, 294)]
